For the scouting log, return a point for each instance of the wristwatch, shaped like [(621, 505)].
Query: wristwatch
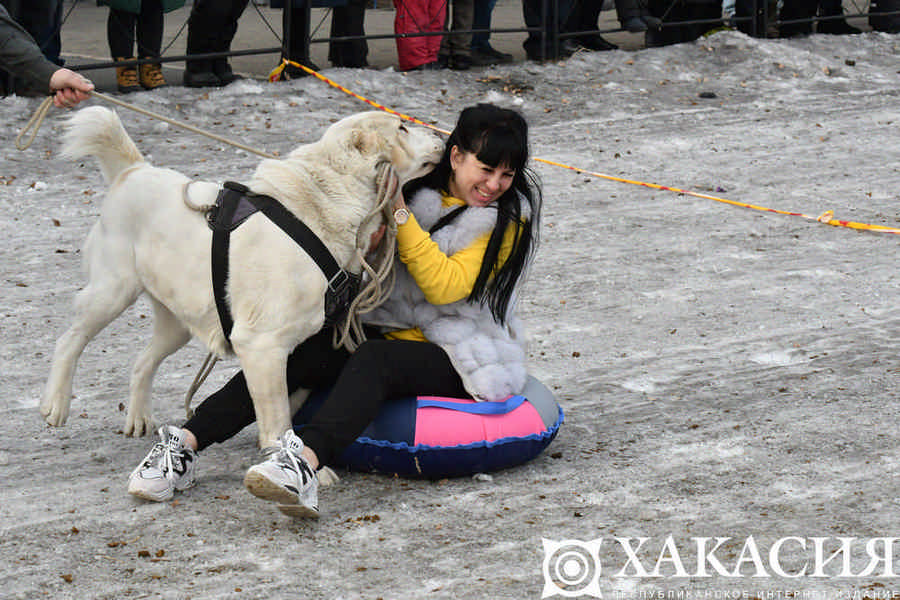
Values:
[(401, 216)]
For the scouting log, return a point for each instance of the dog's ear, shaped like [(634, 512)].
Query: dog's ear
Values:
[(364, 141)]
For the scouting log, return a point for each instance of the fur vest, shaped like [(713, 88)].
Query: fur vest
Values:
[(489, 357)]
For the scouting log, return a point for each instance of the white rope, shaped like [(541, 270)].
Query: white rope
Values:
[(38, 117), (205, 369), (381, 278)]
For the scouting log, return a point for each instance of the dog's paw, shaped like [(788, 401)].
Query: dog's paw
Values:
[(139, 426), (327, 476), (55, 413)]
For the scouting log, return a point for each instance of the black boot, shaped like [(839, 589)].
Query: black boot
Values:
[(199, 73), (222, 70)]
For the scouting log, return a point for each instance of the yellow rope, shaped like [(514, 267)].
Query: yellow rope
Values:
[(825, 218)]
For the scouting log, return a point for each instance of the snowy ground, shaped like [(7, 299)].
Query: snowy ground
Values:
[(725, 372)]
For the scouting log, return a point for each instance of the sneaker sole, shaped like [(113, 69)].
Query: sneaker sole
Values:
[(299, 511), (146, 495), (262, 487), (161, 497)]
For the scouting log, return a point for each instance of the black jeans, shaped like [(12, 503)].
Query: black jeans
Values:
[(348, 20), (121, 27), (212, 26), (554, 24), (379, 370)]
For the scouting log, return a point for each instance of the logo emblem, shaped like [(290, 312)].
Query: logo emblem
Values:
[(571, 568)]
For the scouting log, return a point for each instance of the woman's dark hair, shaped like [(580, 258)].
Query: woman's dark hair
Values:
[(496, 136)]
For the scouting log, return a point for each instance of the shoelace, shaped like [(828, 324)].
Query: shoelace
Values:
[(169, 454), (297, 463), (129, 77), (154, 76)]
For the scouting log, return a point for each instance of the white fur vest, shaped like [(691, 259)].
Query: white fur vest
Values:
[(489, 357)]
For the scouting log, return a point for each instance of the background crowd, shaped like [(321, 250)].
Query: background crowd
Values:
[(134, 31)]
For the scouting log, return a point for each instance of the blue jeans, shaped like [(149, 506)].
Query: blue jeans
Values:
[(482, 20)]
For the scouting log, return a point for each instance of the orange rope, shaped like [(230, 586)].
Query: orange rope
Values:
[(826, 218)]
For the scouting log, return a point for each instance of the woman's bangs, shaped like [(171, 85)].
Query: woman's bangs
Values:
[(502, 146)]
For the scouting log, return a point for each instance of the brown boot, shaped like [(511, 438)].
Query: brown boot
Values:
[(151, 76), (127, 78)]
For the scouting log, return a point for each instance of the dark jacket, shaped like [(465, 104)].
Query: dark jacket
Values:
[(134, 6), (20, 56)]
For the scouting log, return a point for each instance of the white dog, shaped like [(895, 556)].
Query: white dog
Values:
[(152, 238)]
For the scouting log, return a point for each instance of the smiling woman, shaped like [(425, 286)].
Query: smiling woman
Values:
[(447, 329)]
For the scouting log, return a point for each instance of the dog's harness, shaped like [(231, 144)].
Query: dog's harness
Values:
[(234, 205)]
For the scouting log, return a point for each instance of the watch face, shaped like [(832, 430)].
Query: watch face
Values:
[(401, 216)]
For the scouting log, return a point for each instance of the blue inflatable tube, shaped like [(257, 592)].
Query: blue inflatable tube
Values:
[(434, 438)]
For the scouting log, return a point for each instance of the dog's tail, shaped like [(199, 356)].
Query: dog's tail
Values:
[(97, 131)]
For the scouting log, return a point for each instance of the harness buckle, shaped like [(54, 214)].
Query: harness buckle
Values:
[(212, 216), (339, 282)]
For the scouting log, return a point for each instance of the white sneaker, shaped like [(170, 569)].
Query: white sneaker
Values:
[(286, 478), (168, 467)]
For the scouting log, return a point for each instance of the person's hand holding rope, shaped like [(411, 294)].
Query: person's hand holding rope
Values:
[(69, 88)]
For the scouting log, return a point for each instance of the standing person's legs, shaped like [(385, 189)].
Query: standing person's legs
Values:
[(150, 29), (120, 26), (206, 16), (42, 19), (212, 26), (349, 20), (220, 66), (532, 13), (796, 10), (535, 41), (456, 47), (297, 29), (482, 51), (481, 19), (418, 16), (149, 42)]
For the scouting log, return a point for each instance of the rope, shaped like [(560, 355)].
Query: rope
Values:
[(35, 121), (38, 118), (350, 334), (826, 218), (276, 72), (205, 369), (380, 280)]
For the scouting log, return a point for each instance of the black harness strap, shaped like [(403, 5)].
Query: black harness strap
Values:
[(448, 218), (234, 205), (220, 219)]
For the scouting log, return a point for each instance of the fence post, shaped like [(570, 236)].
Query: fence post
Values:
[(288, 27)]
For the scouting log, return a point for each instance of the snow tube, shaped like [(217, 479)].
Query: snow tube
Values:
[(434, 438)]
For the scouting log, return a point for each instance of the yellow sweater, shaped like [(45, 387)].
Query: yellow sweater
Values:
[(443, 279)]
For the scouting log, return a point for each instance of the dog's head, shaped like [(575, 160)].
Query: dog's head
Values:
[(378, 137)]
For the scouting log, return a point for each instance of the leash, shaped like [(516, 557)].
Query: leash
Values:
[(31, 128), (826, 218)]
